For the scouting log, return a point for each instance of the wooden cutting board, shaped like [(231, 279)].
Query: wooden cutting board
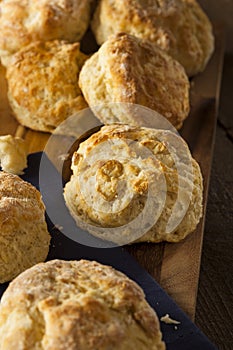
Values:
[(175, 266)]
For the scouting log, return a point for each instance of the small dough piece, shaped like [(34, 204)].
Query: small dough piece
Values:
[(180, 27), (24, 238), (43, 84), (77, 305), (135, 184), (13, 154), (129, 70), (26, 21)]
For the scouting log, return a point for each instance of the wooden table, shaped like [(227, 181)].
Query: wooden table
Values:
[(175, 266), (214, 312)]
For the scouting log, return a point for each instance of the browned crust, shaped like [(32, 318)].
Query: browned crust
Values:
[(188, 184), (178, 26), (130, 70), (25, 21), (77, 305), (43, 84), (24, 238)]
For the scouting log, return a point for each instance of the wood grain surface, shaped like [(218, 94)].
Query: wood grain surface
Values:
[(175, 266), (214, 311)]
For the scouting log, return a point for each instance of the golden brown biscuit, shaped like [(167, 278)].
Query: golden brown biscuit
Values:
[(135, 184), (43, 84), (179, 27), (77, 305), (13, 154), (24, 21), (127, 69), (24, 238)]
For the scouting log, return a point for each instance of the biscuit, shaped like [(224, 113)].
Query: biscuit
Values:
[(25, 21), (132, 184), (43, 84), (24, 238), (77, 305), (179, 27), (13, 154), (130, 70)]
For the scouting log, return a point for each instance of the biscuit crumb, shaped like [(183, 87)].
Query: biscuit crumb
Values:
[(168, 320), (58, 227), (13, 154), (63, 157)]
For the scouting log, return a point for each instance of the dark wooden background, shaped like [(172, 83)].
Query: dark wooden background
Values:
[(214, 314)]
